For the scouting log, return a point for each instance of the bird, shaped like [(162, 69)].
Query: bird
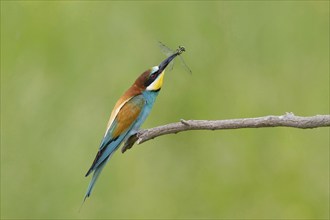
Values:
[(128, 114)]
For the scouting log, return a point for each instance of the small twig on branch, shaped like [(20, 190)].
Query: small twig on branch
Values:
[(287, 120)]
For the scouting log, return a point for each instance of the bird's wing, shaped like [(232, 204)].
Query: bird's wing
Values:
[(118, 129)]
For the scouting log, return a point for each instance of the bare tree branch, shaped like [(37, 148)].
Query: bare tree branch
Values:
[(287, 120)]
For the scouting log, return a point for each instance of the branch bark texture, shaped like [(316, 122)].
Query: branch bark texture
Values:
[(287, 120)]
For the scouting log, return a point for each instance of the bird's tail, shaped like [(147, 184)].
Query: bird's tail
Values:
[(96, 174)]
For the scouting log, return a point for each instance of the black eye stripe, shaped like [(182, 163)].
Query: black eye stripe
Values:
[(151, 78)]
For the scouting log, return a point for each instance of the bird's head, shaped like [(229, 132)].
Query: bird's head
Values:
[(152, 79)]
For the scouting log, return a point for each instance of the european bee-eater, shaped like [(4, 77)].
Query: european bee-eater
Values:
[(129, 113)]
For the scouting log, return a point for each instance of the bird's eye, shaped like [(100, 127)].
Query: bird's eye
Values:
[(153, 76)]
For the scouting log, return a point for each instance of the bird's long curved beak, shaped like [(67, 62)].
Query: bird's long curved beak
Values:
[(164, 64)]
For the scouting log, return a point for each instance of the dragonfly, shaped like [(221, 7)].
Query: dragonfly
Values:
[(168, 52)]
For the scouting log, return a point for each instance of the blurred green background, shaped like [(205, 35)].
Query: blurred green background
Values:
[(65, 63)]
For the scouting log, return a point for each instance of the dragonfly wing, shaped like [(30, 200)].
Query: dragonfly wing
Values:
[(183, 63), (168, 52)]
